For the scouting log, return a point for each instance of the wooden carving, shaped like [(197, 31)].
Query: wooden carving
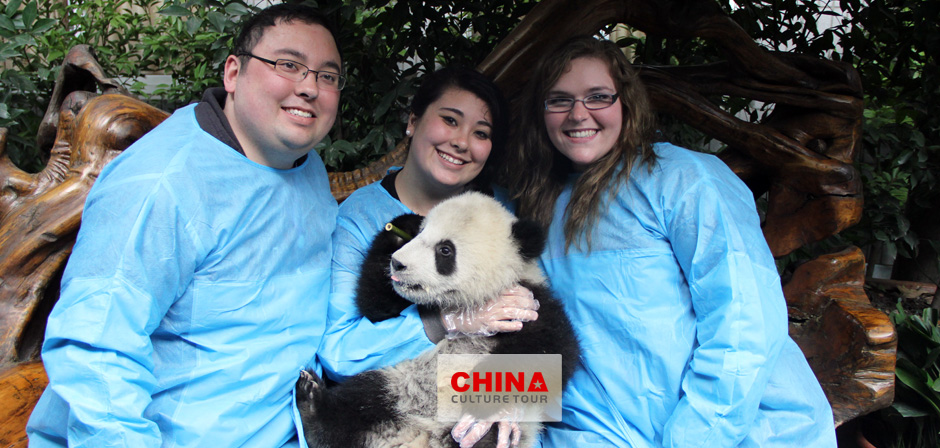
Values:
[(850, 345), (20, 388), (800, 156), (41, 212)]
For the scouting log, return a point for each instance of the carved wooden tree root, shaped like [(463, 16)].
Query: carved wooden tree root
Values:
[(801, 156), (40, 221), (21, 387), (851, 345)]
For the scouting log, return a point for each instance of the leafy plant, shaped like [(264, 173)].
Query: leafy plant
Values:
[(22, 30), (895, 47), (914, 417), (191, 42), (130, 39), (387, 46)]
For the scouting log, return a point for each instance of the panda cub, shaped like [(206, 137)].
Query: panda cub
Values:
[(467, 250)]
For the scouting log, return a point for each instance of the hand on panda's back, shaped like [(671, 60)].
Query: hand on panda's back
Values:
[(505, 313)]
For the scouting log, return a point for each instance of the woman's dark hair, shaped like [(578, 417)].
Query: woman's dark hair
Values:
[(435, 84), (536, 172), (254, 26)]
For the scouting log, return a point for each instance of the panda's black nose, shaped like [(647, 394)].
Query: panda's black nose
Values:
[(397, 265)]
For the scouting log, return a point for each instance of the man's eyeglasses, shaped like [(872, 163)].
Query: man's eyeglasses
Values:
[(593, 102), (295, 71)]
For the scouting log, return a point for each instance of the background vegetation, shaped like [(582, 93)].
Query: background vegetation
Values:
[(388, 44)]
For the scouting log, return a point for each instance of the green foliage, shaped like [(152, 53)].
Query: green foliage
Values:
[(914, 417), (24, 75), (191, 42), (387, 46), (895, 160), (895, 44), (186, 39)]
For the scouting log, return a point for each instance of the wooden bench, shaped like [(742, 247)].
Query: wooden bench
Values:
[(800, 157)]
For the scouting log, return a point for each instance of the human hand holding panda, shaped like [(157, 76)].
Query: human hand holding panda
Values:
[(504, 313), (467, 251)]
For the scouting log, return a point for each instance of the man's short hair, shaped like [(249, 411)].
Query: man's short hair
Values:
[(253, 28)]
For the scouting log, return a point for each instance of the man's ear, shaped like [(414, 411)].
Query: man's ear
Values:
[(233, 67), (530, 237)]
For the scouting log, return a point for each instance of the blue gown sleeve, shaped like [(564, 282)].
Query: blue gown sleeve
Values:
[(131, 260), (353, 344), (741, 319)]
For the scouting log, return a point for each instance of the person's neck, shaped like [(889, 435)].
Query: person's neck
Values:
[(418, 194)]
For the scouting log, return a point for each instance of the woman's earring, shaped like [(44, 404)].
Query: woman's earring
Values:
[(408, 132)]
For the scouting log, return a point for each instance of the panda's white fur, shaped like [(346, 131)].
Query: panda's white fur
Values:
[(397, 405), (488, 259)]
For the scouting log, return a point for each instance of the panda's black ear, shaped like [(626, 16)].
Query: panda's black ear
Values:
[(410, 223), (530, 236)]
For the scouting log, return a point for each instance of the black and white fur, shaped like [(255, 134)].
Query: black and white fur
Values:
[(468, 250)]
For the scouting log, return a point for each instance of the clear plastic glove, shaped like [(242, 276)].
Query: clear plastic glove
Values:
[(505, 313), (469, 431)]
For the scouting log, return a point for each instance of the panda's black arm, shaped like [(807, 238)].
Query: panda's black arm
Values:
[(551, 333), (376, 299), (340, 415)]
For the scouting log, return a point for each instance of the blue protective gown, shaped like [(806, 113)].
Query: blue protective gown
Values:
[(195, 294), (354, 344), (682, 320)]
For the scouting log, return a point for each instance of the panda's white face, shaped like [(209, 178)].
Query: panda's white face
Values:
[(464, 255)]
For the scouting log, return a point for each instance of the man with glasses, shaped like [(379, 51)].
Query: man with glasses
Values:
[(197, 288)]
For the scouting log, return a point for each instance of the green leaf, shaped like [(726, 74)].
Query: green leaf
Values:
[(43, 25), (6, 25), (19, 81), (7, 51), (919, 138), (29, 14), (382, 108), (12, 8), (218, 20), (906, 410), (176, 11), (236, 9), (193, 25)]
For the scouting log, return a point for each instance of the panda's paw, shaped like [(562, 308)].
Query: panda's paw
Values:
[(309, 388)]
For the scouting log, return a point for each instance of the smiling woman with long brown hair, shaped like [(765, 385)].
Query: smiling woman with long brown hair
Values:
[(658, 255)]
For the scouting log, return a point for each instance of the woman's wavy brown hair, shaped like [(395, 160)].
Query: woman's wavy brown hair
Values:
[(535, 172)]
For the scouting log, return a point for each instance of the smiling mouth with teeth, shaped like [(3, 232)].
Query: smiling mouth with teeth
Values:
[(450, 159), (299, 113), (581, 134)]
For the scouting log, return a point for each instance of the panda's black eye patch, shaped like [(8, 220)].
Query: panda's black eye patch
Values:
[(445, 257)]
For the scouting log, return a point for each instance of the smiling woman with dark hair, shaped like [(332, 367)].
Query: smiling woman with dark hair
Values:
[(458, 121)]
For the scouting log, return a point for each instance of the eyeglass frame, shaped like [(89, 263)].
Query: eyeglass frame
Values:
[(613, 99), (316, 73)]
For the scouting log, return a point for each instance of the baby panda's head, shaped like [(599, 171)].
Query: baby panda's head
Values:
[(469, 249)]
